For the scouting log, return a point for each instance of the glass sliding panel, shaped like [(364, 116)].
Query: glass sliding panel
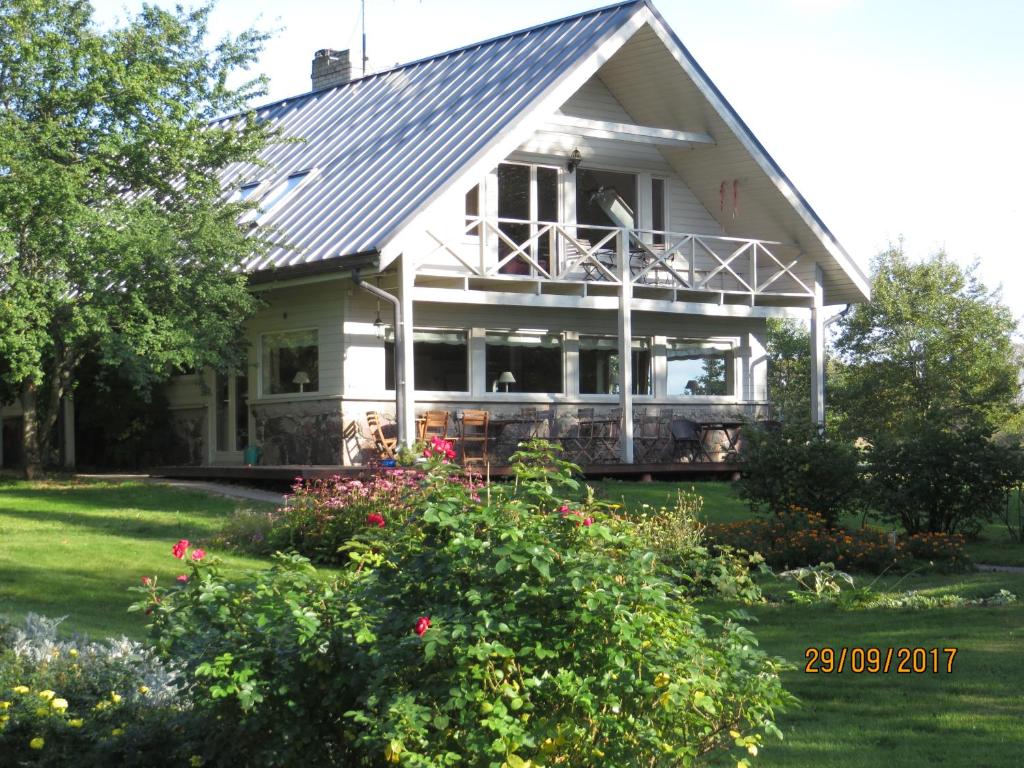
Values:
[(473, 210), (241, 391), (222, 410), (594, 187), (533, 359), (699, 368), (514, 203), (599, 365), (658, 210), (547, 212), (291, 362)]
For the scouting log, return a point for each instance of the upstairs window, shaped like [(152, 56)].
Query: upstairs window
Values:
[(280, 192)]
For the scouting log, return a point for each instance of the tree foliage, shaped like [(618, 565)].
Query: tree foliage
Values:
[(789, 369), (933, 346), (114, 236)]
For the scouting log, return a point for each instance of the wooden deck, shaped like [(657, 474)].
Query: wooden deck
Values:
[(286, 473)]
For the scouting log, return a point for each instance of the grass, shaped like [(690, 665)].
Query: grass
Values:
[(968, 718), (994, 546), (74, 548)]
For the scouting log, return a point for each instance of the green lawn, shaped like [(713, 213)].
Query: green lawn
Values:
[(722, 505), (971, 717), (73, 548)]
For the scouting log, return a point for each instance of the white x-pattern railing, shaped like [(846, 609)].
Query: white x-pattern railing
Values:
[(683, 261)]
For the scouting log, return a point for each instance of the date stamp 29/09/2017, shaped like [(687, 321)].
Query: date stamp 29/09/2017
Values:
[(872, 661)]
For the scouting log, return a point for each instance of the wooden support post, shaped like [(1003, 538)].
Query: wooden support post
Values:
[(405, 370), (69, 431), (625, 349), (818, 353)]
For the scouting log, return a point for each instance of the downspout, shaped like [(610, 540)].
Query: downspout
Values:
[(403, 428)]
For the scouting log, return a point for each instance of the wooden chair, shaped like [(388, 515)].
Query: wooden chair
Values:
[(385, 445), (686, 440), (474, 437), (434, 424)]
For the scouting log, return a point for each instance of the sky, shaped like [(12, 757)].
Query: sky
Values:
[(894, 119)]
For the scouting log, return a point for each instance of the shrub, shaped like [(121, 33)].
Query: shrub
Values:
[(946, 549), (797, 467), (322, 515), (678, 538), (802, 538), (72, 702), (940, 480), (520, 629)]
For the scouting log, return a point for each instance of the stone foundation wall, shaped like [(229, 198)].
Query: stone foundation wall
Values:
[(306, 432), (187, 443)]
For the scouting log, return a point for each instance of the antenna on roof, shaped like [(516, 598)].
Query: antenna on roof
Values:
[(363, 15)]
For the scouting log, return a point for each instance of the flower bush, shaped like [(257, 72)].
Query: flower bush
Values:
[(321, 516), (946, 549), (802, 538), (525, 628), (73, 702)]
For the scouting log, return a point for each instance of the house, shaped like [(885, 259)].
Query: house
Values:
[(498, 227)]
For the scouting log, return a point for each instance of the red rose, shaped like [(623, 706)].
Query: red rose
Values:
[(375, 519), (179, 549), (422, 625), (183, 578), (588, 522)]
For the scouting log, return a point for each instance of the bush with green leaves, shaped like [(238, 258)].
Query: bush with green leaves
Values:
[(74, 702), (796, 467), (942, 480), (514, 627)]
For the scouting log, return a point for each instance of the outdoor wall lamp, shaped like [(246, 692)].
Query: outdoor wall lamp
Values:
[(575, 159)]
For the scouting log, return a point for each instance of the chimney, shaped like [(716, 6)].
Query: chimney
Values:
[(330, 68)]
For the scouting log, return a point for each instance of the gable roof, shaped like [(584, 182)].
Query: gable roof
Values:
[(385, 146)]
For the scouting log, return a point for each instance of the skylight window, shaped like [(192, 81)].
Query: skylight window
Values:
[(281, 191), (247, 190)]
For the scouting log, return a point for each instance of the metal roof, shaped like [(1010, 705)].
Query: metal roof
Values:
[(378, 148)]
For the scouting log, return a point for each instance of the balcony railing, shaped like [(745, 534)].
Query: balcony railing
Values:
[(681, 261)]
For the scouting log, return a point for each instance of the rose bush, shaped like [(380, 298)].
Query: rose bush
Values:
[(518, 625)]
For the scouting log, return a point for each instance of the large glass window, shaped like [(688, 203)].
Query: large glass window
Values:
[(522, 361), (440, 360), (526, 193), (601, 192), (290, 362), (658, 211), (699, 368), (599, 366)]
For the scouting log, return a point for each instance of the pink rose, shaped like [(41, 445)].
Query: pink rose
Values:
[(183, 578), (564, 509), (179, 549), (422, 625), (198, 554), (587, 522)]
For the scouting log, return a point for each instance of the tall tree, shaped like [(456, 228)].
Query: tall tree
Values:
[(789, 370), (933, 346), (115, 238)]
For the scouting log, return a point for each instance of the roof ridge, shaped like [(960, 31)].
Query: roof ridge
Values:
[(435, 56)]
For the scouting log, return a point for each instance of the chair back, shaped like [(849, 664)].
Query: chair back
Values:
[(683, 430), (434, 424), (385, 445), (474, 435)]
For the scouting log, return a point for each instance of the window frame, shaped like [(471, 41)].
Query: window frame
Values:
[(651, 349), (440, 393), (727, 348), (563, 363)]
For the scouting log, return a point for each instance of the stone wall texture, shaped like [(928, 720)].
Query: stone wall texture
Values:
[(307, 432)]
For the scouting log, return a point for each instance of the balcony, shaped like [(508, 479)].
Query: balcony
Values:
[(687, 265)]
